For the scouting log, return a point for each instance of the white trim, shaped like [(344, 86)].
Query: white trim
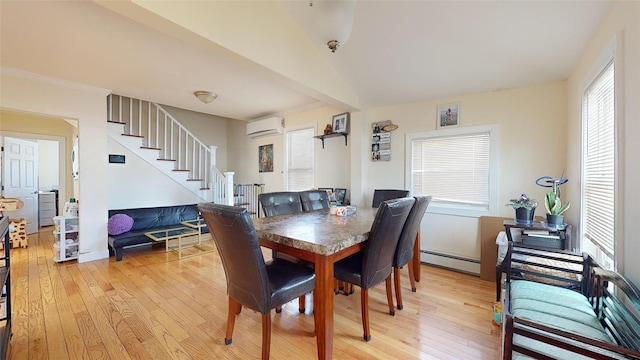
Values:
[(95, 255), (494, 136), (53, 81)]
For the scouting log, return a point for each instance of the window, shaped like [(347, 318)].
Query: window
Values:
[(598, 162), (456, 167), (300, 159)]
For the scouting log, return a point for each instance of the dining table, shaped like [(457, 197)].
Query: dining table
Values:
[(323, 239)]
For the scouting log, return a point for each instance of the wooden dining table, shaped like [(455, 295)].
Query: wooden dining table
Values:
[(323, 239)]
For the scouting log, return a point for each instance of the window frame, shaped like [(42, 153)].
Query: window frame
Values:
[(309, 126), (609, 55), (460, 209)]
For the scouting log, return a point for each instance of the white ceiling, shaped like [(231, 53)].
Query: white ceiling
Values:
[(399, 52)]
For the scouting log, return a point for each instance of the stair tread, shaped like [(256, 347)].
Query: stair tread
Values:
[(131, 135), (194, 179), (149, 148), (240, 204), (167, 159), (116, 122), (180, 170)]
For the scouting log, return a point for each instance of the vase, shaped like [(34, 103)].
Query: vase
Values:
[(555, 221), (524, 216)]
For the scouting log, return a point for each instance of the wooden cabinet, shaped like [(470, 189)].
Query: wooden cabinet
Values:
[(66, 243), (46, 208), (5, 285)]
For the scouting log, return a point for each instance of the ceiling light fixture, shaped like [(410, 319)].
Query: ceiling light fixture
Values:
[(334, 21), (205, 96)]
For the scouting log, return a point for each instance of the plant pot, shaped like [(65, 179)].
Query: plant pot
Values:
[(524, 216), (555, 221)]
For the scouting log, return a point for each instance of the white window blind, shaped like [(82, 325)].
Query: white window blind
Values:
[(300, 160), (454, 169), (598, 161)]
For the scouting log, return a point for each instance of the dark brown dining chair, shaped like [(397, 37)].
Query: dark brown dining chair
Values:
[(372, 265), (314, 200), (280, 203), (252, 282), (380, 195), (404, 250)]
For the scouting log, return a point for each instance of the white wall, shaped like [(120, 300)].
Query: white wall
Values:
[(48, 164), (532, 124), (137, 184), (31, 93), (622, 21), (332, 162)]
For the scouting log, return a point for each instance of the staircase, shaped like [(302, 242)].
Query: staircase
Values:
[(150, 132)]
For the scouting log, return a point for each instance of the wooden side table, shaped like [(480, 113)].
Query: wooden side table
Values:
[(563, 233)]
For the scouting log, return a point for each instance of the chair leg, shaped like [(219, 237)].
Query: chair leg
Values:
[(301, 304), (396, 283), (412, 279), (234, 309), (266, 335), (278, 309), (364, 300), (392, 311)]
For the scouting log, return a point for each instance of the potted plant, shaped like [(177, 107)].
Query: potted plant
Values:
[(525, 209), (555, 208)]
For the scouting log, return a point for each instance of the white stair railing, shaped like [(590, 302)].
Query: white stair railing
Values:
[(162, 131)]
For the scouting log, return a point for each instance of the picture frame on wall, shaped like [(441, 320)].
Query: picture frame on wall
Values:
[(265, 158), (340, 123), (448, 115)]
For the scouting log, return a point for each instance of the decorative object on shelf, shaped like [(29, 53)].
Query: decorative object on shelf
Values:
[(552, 202), (448, 115), (525, 209), (381, 140), (340, 123), (328, 129), (265, 158)]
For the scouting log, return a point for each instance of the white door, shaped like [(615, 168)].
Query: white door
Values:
[(20, 179)]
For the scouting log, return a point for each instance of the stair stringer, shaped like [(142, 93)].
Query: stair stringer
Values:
[(151, 156)]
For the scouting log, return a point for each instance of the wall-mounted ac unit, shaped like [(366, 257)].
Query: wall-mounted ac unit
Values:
[(269, 126)]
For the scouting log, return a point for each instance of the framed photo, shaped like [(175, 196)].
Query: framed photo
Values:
[(265, 158), (341, 195), (340, 123), (448, 115)]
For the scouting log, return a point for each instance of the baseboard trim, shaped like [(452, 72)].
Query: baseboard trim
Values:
[(449, 261), (96, 255)]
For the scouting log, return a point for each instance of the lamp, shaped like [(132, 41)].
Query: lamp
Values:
[(205, 96), (333, 21)]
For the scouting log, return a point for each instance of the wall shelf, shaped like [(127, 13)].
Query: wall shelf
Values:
[(322, 137)]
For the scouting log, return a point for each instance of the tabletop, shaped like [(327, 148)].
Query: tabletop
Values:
[(317, 231)]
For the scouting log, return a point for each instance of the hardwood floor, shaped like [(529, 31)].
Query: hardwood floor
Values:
[(153, 306)]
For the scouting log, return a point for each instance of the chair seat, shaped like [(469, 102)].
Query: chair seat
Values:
[(287, 281), (349, 269)]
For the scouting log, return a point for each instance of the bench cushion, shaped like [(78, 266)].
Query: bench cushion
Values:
[(557, 307)]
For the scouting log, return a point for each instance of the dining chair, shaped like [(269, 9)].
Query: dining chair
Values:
[(280, 203), (314, 200), (283, 203), (252, 282), (380, 195), (372, 265), (404, 250)]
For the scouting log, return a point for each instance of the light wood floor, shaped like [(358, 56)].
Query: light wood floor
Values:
[(153, 306)]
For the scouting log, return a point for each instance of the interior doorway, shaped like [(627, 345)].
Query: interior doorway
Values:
[(50, 170)]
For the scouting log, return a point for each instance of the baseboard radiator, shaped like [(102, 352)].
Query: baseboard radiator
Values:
[(451, 261)]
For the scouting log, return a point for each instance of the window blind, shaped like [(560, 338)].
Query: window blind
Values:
[(300, 160), (453, 169), (598, 161)]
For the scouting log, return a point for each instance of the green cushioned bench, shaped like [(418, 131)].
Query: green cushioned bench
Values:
[(582, 320)]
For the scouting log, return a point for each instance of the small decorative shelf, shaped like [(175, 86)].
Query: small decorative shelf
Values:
[(322, 137)]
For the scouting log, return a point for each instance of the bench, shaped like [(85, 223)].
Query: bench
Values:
[(147, 220), (563, 305)]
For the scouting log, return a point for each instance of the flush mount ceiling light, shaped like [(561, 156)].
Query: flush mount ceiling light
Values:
[(333, 21), (205, 96)]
